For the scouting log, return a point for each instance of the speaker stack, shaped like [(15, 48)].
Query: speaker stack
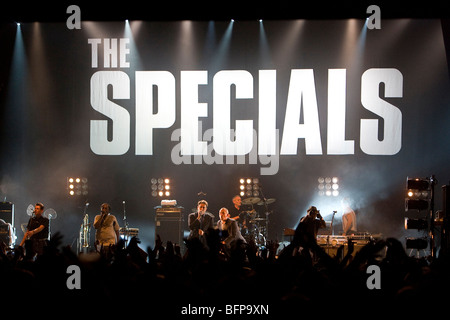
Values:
[(169, 224), (7, 215)]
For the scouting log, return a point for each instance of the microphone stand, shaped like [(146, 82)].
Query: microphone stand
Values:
[(266, 212), (332, 225), (332, 232), (84, 236), (125, 224)]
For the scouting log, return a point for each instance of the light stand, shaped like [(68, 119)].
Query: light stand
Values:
[(432, 216), (267, 213), (420, 197)]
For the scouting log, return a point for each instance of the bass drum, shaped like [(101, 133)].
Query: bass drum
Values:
[(255, 237), (260, 240)]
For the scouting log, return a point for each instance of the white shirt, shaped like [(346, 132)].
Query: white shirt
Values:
[(106, 233)]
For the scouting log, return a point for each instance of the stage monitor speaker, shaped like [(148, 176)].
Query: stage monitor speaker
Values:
[(7, 212), (169, 225)]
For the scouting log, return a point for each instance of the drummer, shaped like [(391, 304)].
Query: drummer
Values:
[(241, 213), (236, 210)]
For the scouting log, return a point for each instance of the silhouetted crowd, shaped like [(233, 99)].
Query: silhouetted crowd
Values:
[(162, 280)]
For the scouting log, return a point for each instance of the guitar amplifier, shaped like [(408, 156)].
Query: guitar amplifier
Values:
[(7, 212), (169, 224)]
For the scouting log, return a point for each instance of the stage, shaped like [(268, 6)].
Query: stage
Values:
[(151, 112)]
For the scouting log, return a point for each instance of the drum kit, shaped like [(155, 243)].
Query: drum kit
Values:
[(253, 226)]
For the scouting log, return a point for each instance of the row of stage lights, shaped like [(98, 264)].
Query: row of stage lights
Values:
[(161, 187)]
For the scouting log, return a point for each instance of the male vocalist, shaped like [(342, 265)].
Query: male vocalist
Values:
[(37, 230), (200, 222), (107, 229)]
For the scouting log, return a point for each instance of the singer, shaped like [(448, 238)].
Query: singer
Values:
[(200, 222), (106, 230)]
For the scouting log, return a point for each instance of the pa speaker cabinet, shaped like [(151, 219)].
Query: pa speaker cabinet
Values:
[(7, 212), (169, 225)]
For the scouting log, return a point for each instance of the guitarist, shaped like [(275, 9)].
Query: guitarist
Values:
[(37, 230)]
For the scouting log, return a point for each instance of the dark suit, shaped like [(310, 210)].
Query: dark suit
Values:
[(230, 231), (206, 223)]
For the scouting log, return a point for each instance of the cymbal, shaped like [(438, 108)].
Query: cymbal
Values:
[(268, 201), (259, 219), (251, 200)]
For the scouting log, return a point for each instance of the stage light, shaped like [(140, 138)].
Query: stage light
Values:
[(416, 243), (328, 186), (418, 192), (418, 224), (417, 184), (160, 187), (249, 187), (77, 186), (416, 204)]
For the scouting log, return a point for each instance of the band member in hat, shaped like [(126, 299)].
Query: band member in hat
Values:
[(306, 231)]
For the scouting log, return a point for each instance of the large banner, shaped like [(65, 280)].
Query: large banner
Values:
[(204, 104)]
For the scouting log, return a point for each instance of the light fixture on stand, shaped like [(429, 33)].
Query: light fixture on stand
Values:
[(420, 197)]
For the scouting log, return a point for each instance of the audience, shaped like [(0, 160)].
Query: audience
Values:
[(289, 281)]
